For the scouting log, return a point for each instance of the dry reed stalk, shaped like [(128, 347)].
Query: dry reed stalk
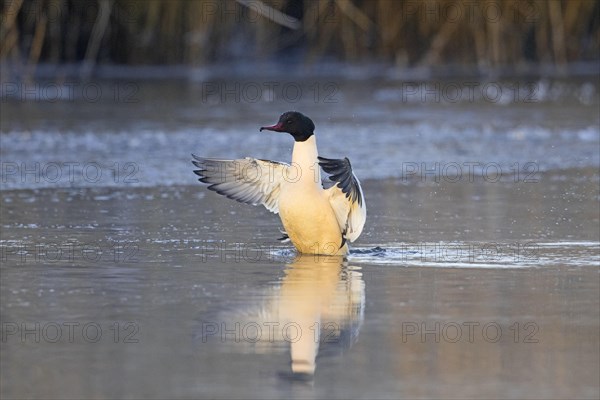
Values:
[(36, 47), (558, 32), (54, 44), (439, 42), (390, 25), (10, 12), (321, 32), (91, 53), (9, 34)]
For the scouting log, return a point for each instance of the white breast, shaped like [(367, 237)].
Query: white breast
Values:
[(305, 210)]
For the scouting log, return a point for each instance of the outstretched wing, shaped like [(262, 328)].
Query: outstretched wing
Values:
[(247, 180), (346, 197)]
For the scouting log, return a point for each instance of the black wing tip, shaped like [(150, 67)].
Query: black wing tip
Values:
[(333, 161), (340, 171), (200, 163), (335, 166)]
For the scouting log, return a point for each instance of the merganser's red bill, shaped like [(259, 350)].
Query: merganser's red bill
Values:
[(276, 128)]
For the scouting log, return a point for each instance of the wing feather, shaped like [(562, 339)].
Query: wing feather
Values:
[(248, 180), (346, 197)]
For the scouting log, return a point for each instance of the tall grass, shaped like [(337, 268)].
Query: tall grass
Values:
[(402, 32)]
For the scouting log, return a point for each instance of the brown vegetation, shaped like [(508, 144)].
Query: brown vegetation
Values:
[(403, 32)]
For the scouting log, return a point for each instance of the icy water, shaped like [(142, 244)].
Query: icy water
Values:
[(476, 275)]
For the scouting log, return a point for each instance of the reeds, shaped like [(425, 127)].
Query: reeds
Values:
[(197, 32)]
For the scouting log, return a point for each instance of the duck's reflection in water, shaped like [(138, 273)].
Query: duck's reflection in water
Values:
[(317, 307), (323, 298)]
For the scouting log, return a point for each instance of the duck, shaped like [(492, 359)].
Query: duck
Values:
[(319, 217)]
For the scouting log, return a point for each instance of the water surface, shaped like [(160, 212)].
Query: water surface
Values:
[(142, 283)]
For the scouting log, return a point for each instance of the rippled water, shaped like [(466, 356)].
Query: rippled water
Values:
[(395, 128), (139, 282)]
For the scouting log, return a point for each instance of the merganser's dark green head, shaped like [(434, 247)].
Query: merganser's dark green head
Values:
[(296, 124)]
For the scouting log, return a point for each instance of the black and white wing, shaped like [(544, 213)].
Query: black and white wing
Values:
[(346, 197), (247, 180)]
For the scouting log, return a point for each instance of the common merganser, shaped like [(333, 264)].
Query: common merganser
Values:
[(316, 220)]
